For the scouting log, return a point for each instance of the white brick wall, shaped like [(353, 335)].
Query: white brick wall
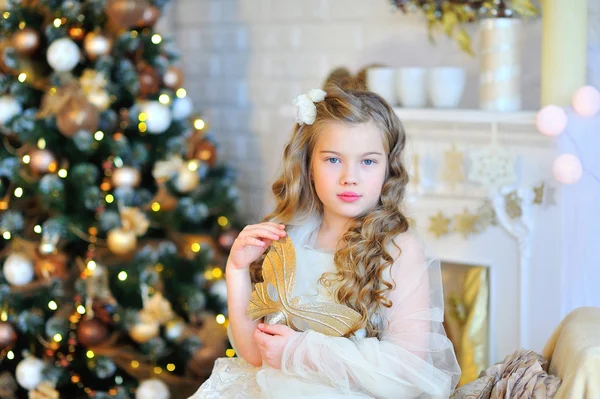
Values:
[(243, 59)]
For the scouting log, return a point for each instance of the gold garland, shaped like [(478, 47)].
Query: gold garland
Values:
[(469, 223)]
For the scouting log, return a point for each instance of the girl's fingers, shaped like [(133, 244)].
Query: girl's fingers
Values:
[(261, 233), (273, 228), (254, 241)]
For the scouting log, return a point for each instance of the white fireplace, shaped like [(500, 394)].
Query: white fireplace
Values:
[(522, 251)]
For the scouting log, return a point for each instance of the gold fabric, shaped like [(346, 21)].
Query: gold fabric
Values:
[(466, 297)]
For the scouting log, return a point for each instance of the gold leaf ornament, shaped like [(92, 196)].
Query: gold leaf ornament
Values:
[(273, 296)]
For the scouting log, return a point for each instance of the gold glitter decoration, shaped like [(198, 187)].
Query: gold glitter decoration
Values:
[(465, 223), (279, 272), (439, 224), (513, 205), (453, 166)]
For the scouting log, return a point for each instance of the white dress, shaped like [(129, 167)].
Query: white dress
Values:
[(413, 358)]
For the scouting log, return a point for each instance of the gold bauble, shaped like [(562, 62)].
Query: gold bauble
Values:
[(96, 45), (144, 332), (121, 242), (186, 180), (205, 151), (100, 99), (126, 177), (77, 115), (173, 78), (125, 13), (149, 18), (42, 160), (26, 41)]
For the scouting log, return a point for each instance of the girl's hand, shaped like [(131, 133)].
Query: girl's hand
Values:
[(271, 341), (252, 242)]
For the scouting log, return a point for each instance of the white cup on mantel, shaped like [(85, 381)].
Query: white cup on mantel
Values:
[(446, 86), (382, 80), (411, 87)]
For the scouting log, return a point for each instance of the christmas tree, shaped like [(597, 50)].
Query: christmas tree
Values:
[(115, 215)]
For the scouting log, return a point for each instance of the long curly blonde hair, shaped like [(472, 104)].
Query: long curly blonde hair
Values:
[(363, 256)]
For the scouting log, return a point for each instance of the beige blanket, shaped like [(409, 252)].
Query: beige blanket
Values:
[(574, 350)]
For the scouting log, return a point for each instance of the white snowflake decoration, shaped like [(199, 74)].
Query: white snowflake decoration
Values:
[(493, 167)]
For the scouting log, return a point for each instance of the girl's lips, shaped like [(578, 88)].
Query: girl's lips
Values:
[(349, 197)]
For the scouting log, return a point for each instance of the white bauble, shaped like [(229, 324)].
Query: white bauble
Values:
[(187, 180), (152, 389), (41, 160), (219, 289), (9, 107), (182, 108), (174, 329), (126, 177), (18, 269), (29, 372), (158, 117), (63, 55)]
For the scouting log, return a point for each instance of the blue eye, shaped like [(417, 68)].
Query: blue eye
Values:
[(369, 162), (332, 160)]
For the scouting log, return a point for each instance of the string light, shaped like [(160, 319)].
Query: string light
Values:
[(220, 319), (157, 370), (217, 273), (135, 364), (10, 355), (143, 117), (109, 199), (171, 367), (91, 265), (199, 124), (22, 25), (26, 159), (38, 229), (41, 144), (89, 354), (22, 77), (122, 275), (18, 192), (181, 93), (6, 235), (193, 166), (230, 353), (52, 305), (155, 206), (57, 22), (142, 127), (57, 338), (6, 15), (63, 173), (81, 309), (222, 220), (156, 38), (196, 247), (99, 135), (164, 99)]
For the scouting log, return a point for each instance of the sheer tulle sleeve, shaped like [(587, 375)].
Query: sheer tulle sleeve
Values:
[(413, 358)]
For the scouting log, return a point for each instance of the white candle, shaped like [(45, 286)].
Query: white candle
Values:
[(564, 48)]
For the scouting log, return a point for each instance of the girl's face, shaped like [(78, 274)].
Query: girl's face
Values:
[(349, 165)]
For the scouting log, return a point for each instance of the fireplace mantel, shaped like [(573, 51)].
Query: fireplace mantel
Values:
[(523, 253)]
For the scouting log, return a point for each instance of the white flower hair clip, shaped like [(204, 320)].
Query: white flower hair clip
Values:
[(306, 110)]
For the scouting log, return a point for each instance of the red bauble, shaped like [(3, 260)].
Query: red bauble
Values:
[(91, 332)]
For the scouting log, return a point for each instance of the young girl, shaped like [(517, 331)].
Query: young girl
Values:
[(339, 198)]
